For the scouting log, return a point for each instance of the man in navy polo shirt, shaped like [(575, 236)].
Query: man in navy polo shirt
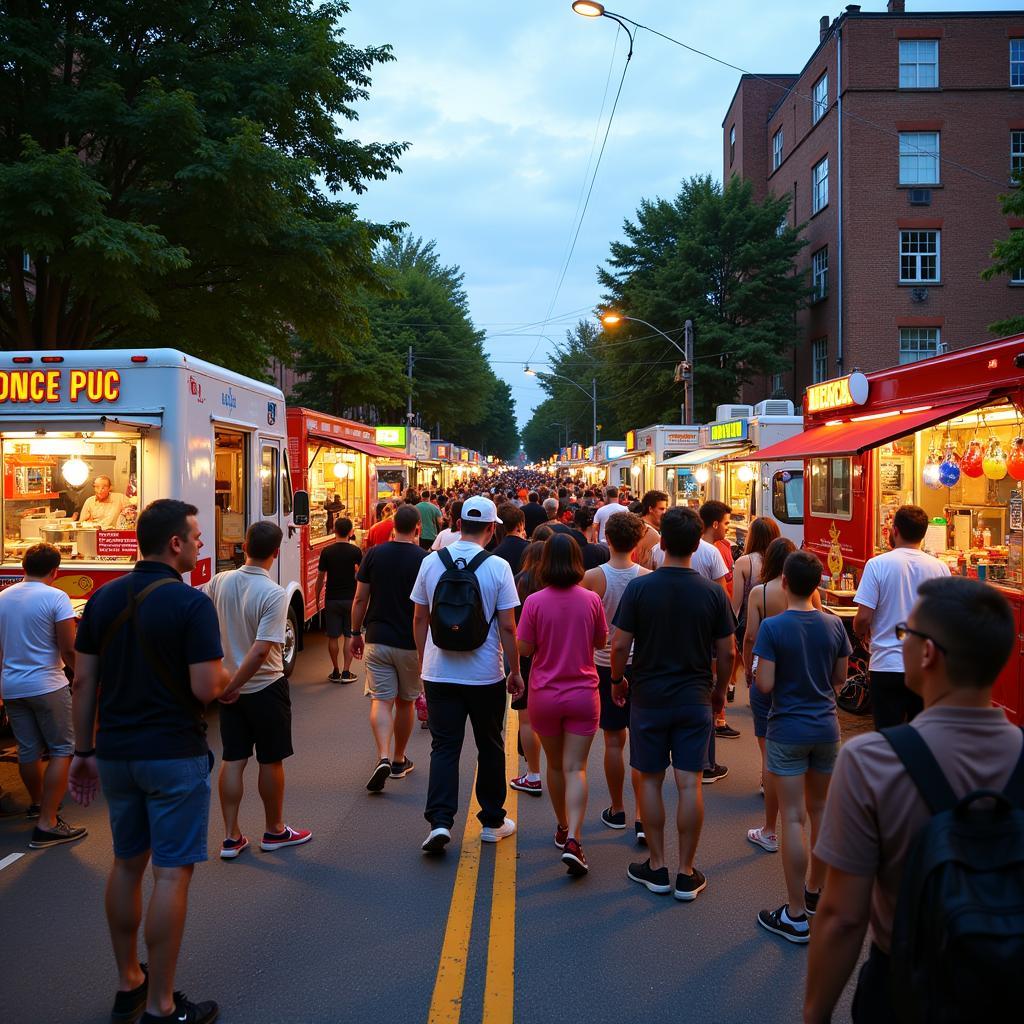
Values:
[(149, 654)]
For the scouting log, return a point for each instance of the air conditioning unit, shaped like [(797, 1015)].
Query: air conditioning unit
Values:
[(733, 412), (920, 196), (774, 407)]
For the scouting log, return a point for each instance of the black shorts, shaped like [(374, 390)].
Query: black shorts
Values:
[(338, 618), (680, 735), (262, 720), (524, 671), (613, 718)]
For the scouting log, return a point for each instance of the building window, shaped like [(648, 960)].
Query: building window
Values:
[(732, 145), (819, 186), (819, 98), (777, 140), (919, 63), (1017, 277), (782, 227), (1017, 155), (919, 158), (26, 263), (918, 343), (919, 256), (1017, 63), (819, 360), (776, 384), (819, 274)]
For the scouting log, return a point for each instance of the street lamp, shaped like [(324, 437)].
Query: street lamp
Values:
[(591, 394), (592, 9), (588, 9), (613, 319)]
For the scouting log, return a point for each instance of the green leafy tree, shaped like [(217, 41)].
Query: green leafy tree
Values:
[(173, 171), (716, 257), (496, 433), (1008, 258)]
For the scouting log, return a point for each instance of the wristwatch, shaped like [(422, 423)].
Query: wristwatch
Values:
[(619, 681), (86, 753), (357, 632)]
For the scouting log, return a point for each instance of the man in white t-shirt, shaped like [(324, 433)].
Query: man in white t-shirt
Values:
[(256, 706), (607, 510), (37, 639), (468, 684), (887, 593), (707, 560)]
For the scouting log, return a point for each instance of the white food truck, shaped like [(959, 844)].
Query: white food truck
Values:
[(135, 425)]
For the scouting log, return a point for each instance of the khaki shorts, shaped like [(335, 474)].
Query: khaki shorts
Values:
[(392, 672)]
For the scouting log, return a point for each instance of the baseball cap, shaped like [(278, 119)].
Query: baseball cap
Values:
[(479, 510)]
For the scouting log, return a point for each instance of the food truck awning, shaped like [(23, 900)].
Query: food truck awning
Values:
[(859, 435), (70, 423), (702, 455), (366, 447)]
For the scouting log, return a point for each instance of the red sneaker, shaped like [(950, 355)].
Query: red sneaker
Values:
[(524, 785), (574, 858), (289, 837), (561, 836), (231, 848)]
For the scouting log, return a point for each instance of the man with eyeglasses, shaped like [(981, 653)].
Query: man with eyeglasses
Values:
[(887, 591), (955, 641)]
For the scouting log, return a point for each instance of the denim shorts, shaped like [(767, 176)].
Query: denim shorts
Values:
[(42, 724), (760, 705), (800, 758), (163, 806)]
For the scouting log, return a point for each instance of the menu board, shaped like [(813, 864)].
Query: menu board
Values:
[(890, 476)]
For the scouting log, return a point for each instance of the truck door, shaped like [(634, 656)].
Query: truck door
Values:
[(270, 489), (231, 495)]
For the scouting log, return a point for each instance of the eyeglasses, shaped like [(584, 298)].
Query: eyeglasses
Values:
[(902, 629)]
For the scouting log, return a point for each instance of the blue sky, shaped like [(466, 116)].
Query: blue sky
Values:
[(501, 103)]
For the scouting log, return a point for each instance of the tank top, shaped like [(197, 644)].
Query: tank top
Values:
[(615, 581), (748, 586)]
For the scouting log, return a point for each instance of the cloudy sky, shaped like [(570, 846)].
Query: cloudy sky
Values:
[(502, 103)]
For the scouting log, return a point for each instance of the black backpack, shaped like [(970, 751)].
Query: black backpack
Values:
[(958, 934), (458, 621)]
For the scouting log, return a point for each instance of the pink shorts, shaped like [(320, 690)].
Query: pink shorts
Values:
[(553, 712)]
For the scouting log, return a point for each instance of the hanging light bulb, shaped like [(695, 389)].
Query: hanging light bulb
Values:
[(342, 470), (75, 471), (931, 469), (745, 474), (702, 475), (949, 468), (972, 463), (994, 462), (1015, 460)]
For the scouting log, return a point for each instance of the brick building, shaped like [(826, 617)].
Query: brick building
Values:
[(894, 142)]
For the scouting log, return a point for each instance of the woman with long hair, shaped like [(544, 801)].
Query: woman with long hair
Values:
[(746, 574), (561, 627), (767, 598)]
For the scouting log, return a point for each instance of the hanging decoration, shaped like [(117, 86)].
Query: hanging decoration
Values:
[(930, 473), (1015, 460), (949, 468), (972, 463), (994, 462)]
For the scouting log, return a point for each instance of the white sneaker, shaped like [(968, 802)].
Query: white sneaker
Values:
[(438, 839), (766, 840), (493, 835)]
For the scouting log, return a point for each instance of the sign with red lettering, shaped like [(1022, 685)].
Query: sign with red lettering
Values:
[(203, 572), (116, 544)]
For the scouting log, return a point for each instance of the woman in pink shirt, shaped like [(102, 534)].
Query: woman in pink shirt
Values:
[(561, 627)]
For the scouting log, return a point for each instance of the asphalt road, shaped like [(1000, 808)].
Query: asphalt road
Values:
[(358, 926)]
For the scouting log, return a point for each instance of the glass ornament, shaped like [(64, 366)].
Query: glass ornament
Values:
[(1015, 460), (972, 463), (949, 468), (994, 462), (931, 469)]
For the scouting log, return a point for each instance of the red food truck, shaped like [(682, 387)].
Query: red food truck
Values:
[(945, 433)]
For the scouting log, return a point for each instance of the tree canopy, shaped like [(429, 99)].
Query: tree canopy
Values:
[(172, 171), (1008, 257)]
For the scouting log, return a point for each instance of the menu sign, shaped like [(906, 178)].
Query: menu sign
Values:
[(116, 544)]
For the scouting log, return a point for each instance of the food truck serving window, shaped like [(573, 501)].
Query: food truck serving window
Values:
[(337, 488), (77, 490), (830, 488), (788, 496)]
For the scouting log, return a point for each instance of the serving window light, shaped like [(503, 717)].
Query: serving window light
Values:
[(75, 471)]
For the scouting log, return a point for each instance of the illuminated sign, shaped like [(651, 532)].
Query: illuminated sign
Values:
[(588, 454), (463, 455), (729, 430), (838, 394), (391, 437), (614, 451), (630, 440), (682, 437), (38, 386)]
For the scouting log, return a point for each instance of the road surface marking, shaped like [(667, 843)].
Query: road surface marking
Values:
[(499, 985), (10, 859), (446, 1003)]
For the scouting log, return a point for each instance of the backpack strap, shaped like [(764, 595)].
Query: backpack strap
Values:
[(478, 560), (446, 559), (1014, 791), (922, 767)]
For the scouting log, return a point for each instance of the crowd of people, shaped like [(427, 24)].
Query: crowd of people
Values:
[(595, 612)]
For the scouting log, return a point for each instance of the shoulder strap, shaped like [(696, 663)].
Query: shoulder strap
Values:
[(922, 767), (128, 612), (446, 558), (478, 560), (1014, 791), (764, 601)]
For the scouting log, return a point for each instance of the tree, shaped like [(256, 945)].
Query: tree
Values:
[(541, 435), (1008, 257), (164, 166), (716, 257), (496, 433)]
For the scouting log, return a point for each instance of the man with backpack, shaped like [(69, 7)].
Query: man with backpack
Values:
[(464, 618), (948, 925)]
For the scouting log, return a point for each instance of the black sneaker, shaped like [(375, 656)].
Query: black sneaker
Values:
[(811, 901), (779, 923), (688, 886), (129, 1005), (62, 833), (641, 835), (334, 677), (399, 769), (712, 775), (185, 1012), (348, 677), (612, 819), (32, 812), (380, 775), (726, 732), (730, 694), (656, 881)]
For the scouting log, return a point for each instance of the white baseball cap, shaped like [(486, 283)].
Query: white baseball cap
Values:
[(479, 510)]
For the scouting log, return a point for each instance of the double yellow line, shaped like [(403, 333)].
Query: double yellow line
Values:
[(499, 983)]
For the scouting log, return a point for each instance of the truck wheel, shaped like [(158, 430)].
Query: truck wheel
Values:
[(290, 650)]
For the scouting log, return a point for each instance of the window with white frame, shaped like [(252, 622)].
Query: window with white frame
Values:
[(919, 257), (777, 142), (819, 99), (819, 274), (919, 63), (776, 384), (819, 360), (1017, 155), (819, 186), (1017, 63), (732, 144), (919, 158), (918, 343)]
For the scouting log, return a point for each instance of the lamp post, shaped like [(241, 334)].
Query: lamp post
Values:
[(612, 319), (591, 394)]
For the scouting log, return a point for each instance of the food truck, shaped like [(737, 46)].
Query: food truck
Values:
[(87, 438), (653, 451), (946, 433)]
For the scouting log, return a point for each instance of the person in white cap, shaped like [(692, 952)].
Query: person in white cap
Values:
[(463, 683)]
